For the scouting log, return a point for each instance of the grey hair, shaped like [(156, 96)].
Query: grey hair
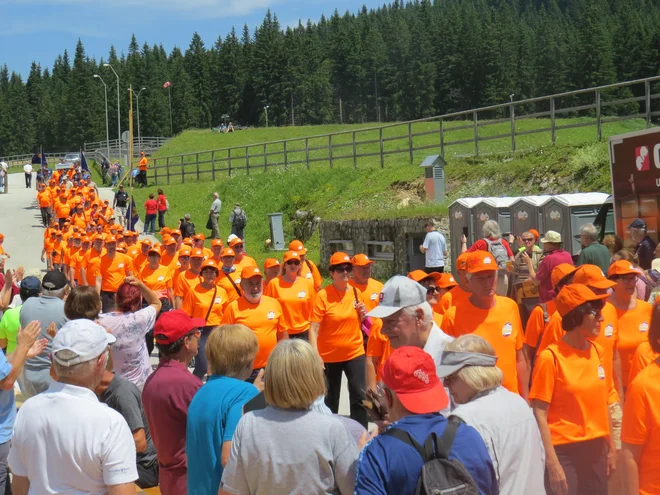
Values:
[(478, 378), (82, 371), (426, 310), (216, 195), (589, 231), (59, 293), (491, 229)]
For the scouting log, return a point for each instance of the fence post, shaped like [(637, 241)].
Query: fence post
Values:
[(307, 152), (197, 161), (155, 172), (552, 121), (330, 149), (380, 138), (476, 133), (213, 166), (229, 162), (598, 116), (410, 142), (442, 137), (647, 94), (286, 161), (167, 169), (512, 115), (354, 151), (247, 160), (183, 175), (265, 159)]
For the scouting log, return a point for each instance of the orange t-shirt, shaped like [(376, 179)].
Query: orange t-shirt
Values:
[(451, 299), (44, 199), (573, 382), (536, 323), (144, 162), (263, 319), (62, 210), (198, 301), (313, 274), (239, 265), (169, 261), (296, 299), (633, 330), (114, 271), (56, 251), (76, 262), (79, 220), (643, 356), (92, 265), (224, 282), (340, 334), (500, 326), (370, 292), (139, 262), (133, 252), (158, 280), (175, 277), (68, 254), (378, 346), (185, 282)]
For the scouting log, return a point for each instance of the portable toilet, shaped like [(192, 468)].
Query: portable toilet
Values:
[(565, 213), (526, 214), (498, 209), (461, 222)]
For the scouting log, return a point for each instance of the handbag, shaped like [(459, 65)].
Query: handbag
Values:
[(209, 224)]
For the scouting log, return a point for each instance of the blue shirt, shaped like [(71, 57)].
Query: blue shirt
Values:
[(7, 403), (387, 465), (212, 418)]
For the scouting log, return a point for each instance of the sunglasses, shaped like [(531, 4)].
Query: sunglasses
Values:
[(293, 262), (432, 290), (528, 240), (343, 269)]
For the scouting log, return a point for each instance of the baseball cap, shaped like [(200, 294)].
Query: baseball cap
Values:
[(592, 276), (146, 242), (217, 242), (461, 261), (291, 255), (185, 252), (172, 325), (153, 250), (175, 232), (165, 230), (85, 338), (338, 258), (227, 252), (129, 233), (210, 264), (452, 361), (271, 263), (188, 242), (397, 293), (199, 237), (552, 237), (168, 240), (560, 272), (110, 239), (447, 280), (54, 280), (361, 260), (410, 372), (574, 295), (250, 271), (197, 253), (235, 242), (86, 239), (30, 283), (231, 238), (419, 275), (621, 267), (297, 245), (637, 224), (122, 247), (481, 261), (187, 216)]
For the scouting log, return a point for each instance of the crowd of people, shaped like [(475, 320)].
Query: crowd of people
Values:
[(468, 390)]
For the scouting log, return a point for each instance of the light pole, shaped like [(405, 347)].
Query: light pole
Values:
[(266, 110), (118, 111), (168, 86), (107, 126), (137, 98)]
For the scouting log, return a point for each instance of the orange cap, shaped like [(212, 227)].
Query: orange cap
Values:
[(154, 250), (574, 295), (250, 271), (165, 230), (361, 260), (97, 237), (297, 245), (87, 239), (197, 253), (227, 252), (129, 233), (621, 267), (110, 239), (2, 236), (185, 252), (168, 240), (339, 258), (122, 247), (199, 237), (447, 280), (481, 261), (271, 263), (592, 276), (419, 275), (235, 241), (75, 235), (217, 242), (188, 242), (146, 242), (212, 264), (461, 261), (560, 272), (175, 232), (290, 255)]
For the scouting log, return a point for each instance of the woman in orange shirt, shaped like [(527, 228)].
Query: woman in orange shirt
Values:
[(569, 397), (207, 301), (296, 296), (158, 278), (634, 315), (336, 333), (645, 353)]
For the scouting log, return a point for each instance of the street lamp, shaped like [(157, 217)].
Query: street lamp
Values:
[(266, 110), (511, 97), (118, 110), (137, 97), (107, 127)]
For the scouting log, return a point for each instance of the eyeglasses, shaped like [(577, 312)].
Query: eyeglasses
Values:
[(343, 269), (594, 312), (432, 290), (293, 262), (528, 240)]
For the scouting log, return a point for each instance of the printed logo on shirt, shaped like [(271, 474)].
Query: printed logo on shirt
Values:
[(161, 278), (643, 327), (374, 296), (601, 372), (237, 281), (609, 331), (218, 300), (302, 294), (120, 265), (507, 328), (308, 275), (271, 315)]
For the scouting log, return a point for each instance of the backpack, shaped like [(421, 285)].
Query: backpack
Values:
[(440, 475), (239, 219), (499, 252), (187, 229)]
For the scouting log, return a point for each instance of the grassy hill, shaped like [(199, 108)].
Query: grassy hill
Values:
[(577, 163)]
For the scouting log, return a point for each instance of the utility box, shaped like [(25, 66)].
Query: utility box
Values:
[(461, 221), (526, 214), (434, 178), (566, 213), (276, 231), (498, 209)]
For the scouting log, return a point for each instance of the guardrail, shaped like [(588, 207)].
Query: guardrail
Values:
[(501, 128), (148, 144), (20, 160)]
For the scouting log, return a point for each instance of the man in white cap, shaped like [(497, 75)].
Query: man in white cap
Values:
[(65, 439)]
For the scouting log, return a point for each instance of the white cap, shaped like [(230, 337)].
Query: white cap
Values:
[(397, 293), (231, 238), (83, 337)]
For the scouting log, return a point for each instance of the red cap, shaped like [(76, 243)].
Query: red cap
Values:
[(217, 242), (235, 242), (250, 271), (271, 263), (410, 373), (339, 258), (361, 260), (298, 246), (173, 325)]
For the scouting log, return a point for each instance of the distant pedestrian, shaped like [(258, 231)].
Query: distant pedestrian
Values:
[(593, 252), (435, 249), (151, 209), (162, 208), (238, 220), (28, 175), (645, 245), (186, 227), (120, 205), (142, 174), (214, 215)]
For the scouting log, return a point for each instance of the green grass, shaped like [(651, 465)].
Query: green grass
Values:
[(577, 163)]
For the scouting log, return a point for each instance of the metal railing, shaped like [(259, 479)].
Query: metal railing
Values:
[(147, 144), (501, 128), (20, 160)]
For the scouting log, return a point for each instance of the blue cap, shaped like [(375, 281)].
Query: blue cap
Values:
[(31, 283), (638, 224)]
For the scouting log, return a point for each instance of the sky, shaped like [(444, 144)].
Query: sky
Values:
[(40, 30)]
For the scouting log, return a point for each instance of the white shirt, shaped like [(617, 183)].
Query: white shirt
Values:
[(507, 425), (435, 346), (435, 245), (27, 168), (66, 441)]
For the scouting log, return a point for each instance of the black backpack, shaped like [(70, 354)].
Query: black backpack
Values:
[(440, 475), (239, 219)]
